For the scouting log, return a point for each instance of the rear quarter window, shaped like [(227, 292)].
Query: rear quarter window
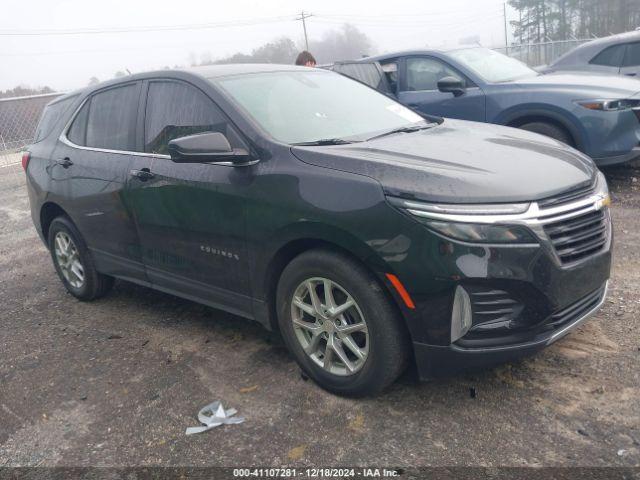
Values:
[(50, 116)]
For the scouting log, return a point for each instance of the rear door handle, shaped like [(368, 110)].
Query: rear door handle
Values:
[(144, 174), (65, 162), (630, 74)]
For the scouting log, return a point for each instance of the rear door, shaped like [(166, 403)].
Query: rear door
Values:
[(190, 216), (631, 63), (418, 89), (89, 172)]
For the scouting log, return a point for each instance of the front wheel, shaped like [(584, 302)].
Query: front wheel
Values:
[(340, 326)]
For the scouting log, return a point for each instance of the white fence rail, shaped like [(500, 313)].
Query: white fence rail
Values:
[(538, 54), (19, 118)]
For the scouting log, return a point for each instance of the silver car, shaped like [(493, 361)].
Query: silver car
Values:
[(617, 55)]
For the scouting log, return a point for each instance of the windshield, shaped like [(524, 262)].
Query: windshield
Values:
[(492, 66), (307, 106)]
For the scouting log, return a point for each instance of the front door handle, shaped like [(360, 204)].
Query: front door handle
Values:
[(143, 174), (630, 74), (65, 162)]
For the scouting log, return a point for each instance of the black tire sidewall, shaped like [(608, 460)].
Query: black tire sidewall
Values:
[(548, 130), (387, 344), (88, 288)]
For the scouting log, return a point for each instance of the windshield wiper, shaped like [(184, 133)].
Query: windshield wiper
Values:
[(409, 129), (324, 141)]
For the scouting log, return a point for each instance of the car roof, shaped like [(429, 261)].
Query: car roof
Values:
[(585, 52), (215, 71), (408, 53), (207, 72)]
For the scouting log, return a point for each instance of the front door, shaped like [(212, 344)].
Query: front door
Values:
[(418, 89), (190, 216), (89, 172)]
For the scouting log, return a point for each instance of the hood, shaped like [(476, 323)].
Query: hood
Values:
[(603, 85), (461, 162)]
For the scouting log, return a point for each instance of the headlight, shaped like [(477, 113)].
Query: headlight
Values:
[(480, 233), (602, 190), (473, 223), (609, 105)]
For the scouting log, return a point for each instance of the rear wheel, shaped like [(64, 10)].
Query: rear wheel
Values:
[(548, 130), (73, 262), (340, 326)]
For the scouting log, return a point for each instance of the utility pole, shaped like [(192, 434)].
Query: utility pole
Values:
[(506, 37), (303, 16)]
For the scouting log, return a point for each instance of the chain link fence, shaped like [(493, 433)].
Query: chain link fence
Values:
[(19, 118), (539, 54)]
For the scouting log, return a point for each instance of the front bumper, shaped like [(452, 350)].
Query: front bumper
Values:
[(618, 159), (435, 361)]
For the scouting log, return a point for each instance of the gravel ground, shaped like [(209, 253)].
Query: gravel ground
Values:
[(115, 382)]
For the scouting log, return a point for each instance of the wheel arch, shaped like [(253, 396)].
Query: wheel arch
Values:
[(48, 212), (295, 247), (520, 116)]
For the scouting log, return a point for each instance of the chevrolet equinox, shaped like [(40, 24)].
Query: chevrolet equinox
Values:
[(368, 235)]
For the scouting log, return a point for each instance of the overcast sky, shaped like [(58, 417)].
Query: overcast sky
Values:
[(68, 61)]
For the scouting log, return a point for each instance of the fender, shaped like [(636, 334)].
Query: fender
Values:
[(541, 111)]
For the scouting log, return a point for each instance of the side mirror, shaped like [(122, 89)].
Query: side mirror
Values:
[(206, 148), (452, 85)]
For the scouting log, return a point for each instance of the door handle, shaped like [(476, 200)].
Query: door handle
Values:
[(65, 162), (143, 174), (630, 74)]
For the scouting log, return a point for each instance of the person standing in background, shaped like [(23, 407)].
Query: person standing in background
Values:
[(305, 59)]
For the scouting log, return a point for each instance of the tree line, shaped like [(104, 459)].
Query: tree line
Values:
[(545, 20), (346, 43)]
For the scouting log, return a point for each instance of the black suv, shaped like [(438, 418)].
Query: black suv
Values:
[(368, 235)]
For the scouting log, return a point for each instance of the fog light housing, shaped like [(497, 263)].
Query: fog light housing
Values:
[(461, 314)]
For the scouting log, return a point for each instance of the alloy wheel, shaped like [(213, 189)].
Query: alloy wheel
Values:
[(330, 326), (68, 259)]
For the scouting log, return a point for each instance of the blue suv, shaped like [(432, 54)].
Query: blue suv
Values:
[(597, 114)]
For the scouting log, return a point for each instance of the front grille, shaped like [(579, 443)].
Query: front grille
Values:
[(576, 310), (578, 237), (566, 197)]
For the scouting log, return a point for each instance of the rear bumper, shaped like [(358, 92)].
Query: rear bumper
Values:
[(435, 361), (618, 159)]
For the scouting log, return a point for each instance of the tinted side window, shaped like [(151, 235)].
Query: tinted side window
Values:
[(175, 109), (50, 117), (425, 73), (632, 58), (107, 120), (609, 57), (112, 118), (78, 130)]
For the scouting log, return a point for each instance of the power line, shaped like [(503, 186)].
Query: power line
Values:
[(142, 29)]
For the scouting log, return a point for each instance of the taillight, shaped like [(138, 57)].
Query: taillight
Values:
[(26, 156)]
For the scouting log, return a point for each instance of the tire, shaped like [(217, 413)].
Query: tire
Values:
[(548, 130), (93, 284), (384, 342)]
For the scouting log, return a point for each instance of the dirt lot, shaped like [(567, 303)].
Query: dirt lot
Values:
[(116, 382)]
